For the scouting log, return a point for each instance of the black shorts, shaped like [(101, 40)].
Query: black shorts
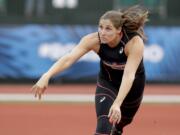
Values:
[(106, 93)]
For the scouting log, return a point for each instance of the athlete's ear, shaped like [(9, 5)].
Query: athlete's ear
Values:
[(119, 30)]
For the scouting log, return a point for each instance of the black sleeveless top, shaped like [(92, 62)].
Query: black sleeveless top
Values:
[(113, 60)]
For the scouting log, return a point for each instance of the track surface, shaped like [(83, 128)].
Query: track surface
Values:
[(27, 118)]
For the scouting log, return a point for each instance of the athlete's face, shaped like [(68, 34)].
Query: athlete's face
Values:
[(108, 33)]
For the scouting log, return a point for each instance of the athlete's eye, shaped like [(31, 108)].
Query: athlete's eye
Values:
[(108, 29), (100, 27)]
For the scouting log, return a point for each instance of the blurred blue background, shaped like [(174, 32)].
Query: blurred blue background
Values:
[(35, 33)]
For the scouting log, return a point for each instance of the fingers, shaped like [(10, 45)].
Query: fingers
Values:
[(119, 119), (39, 94), (34, 89), (114, 116), (38, 91), (114, 119)]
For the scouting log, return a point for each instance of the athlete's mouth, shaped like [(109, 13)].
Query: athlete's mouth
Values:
[(103, 38)]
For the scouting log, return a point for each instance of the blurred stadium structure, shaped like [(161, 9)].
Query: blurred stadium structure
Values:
[(35, 33), (163, 12)]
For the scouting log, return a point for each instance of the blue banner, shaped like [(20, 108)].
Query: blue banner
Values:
[(162, 54), (28, 51)]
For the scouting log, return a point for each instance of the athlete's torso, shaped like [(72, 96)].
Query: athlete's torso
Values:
[(113, 60)]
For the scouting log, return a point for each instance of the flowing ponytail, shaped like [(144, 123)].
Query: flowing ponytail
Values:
[(134, 19)]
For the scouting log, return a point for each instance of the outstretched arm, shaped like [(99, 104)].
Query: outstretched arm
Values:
[(84, 46), (67, 60)]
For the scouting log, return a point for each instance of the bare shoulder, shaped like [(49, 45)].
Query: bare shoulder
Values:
[(136, 39), (135, 44), (91, 40), (93, 37)]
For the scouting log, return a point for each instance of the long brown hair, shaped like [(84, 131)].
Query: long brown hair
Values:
[(131, 19)]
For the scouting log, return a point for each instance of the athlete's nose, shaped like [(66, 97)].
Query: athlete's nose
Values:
[(103, 32)]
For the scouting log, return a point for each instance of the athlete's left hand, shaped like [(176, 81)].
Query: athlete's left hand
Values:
[(114, 113)]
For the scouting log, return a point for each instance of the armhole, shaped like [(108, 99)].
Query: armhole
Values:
[(99, 38), (129, 37), (99, 44), (124, 31)]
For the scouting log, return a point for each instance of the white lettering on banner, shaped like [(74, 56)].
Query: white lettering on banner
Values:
[(54, 51), (65, 3), (153, 53)]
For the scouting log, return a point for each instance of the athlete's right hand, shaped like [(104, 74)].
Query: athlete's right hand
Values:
[(39, 88)]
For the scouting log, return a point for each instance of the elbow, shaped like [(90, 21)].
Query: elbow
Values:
[(67, 60)]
